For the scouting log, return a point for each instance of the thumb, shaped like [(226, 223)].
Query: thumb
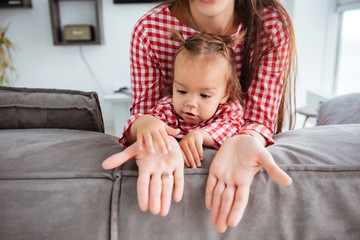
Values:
[(275, 172), (172, 131), (119, 158)]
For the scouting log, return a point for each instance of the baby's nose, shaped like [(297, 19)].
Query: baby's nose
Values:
[(191, 102)]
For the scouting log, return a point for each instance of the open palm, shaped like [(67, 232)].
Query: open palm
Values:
[(154, 193), (230, 176)]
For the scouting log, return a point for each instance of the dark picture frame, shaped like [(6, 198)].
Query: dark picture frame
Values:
[(136, 1), (15, 4)]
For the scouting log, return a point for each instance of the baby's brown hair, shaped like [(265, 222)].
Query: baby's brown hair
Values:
[(204, 44)]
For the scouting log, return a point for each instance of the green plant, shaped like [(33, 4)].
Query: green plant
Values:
[(7, 71)]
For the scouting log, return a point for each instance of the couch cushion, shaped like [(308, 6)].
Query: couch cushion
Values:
[(52, 185), (322, 202), (54, 153), (340, 110), (49, 108)]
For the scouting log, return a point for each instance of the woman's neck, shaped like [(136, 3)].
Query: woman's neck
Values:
[(223, 24)]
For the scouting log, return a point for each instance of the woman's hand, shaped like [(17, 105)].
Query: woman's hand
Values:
[(148, 130), (230, 176), (155, 183)]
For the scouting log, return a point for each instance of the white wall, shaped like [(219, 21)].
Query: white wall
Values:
[(41, 64), (315, 24), (310, 20)]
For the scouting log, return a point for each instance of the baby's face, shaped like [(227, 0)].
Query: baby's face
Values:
[(199, 87)]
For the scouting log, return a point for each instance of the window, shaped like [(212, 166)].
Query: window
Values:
[(348, 63)]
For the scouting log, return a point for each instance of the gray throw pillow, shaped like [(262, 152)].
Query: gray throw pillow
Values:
[(340, 110), (49, 108)]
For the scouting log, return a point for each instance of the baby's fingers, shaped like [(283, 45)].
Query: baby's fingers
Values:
[(140, 140), (188, 155), (199, 147), (186, 162), (162, 139), (149, 142), (195, 154), (165, 137)]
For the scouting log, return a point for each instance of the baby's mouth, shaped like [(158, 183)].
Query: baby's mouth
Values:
[(190, 116)]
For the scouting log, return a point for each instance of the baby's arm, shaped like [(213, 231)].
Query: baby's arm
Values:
[(153, 127), (223, 125), (192, 147)]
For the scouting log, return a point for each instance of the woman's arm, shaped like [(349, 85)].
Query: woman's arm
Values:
[(146, 78), (154, 192), (265, 91), (240, 157)]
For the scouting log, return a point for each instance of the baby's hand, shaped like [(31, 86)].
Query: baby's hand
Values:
[(153, 130), (192, 147)]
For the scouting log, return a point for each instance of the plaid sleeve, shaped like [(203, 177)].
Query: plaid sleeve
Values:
[(162, 111), (145, 75), (265, 91), (227, 121), (122, 139)]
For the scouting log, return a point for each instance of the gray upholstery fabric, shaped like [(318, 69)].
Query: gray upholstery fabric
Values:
[(53, 187), (340, 110), (49, 108), (322, 202)]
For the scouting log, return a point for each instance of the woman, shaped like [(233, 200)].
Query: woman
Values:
[(265, 66)]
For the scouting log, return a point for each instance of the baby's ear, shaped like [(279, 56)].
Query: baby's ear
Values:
[(225, 97)]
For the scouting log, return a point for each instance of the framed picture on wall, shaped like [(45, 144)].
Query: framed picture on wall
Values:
[(15, 4), (136, 1)]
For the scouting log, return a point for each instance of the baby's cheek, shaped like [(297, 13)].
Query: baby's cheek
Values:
[(209, 110)]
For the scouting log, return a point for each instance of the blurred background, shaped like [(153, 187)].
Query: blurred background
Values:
[(327, 35)]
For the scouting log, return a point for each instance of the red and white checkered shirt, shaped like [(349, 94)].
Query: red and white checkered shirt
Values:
[(226, 121), (151, 56)]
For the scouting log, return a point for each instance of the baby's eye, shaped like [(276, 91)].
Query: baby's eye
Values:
[(181, 92), (203, 95)]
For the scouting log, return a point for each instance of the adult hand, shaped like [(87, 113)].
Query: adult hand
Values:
[(230, 176), (155, 184), (150, 130)]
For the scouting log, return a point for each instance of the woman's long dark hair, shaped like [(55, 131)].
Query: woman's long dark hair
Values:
[(250, 15)]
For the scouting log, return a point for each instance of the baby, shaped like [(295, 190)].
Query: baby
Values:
[(204, 101)]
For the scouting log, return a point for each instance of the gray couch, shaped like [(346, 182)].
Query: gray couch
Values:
[(52, 185)]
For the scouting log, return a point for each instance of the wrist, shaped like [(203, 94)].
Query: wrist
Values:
[(207, 139), (252, 134), (137, 124), (243, 133)]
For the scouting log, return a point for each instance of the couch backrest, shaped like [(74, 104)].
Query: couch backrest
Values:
[(49, 108), (344, 109)]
